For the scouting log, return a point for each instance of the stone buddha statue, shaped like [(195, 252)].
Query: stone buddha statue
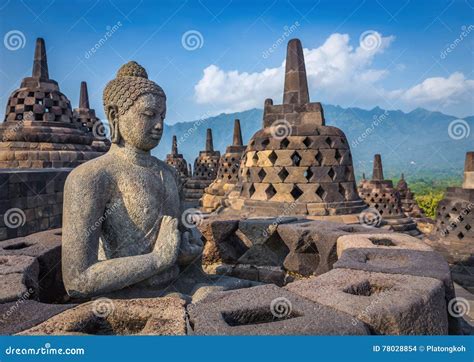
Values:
[(121, 220)]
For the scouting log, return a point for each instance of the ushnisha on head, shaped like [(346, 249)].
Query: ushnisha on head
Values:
[(135, 107)]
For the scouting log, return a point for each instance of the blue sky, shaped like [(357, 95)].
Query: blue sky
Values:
[(359, 53)]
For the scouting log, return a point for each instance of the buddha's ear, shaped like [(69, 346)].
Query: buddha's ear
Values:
[(112, 116)]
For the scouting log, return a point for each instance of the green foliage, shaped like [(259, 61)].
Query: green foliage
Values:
[(429, 202)]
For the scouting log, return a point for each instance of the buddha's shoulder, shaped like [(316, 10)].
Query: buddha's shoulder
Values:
[(100, 168)]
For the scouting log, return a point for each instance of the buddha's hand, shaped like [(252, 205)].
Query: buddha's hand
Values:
[(190, 249), (165, 251)]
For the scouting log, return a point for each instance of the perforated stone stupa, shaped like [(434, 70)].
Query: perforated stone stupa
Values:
[(380, 195), (455, 220), (38, 130), (296, 165), (177, 160), (407, 198), (205, 171), (227, 174), (85, 117)]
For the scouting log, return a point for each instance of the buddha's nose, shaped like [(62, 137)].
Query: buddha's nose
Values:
[(158, 127)]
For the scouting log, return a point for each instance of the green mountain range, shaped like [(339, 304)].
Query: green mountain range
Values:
[(420, 143)]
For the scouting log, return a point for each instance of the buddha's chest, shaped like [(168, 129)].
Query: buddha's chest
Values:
[(146, 194)]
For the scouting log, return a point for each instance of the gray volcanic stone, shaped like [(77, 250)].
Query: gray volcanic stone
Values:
[(24, 314), (18, 277), (312, 244), (155, 316), (402, 261), (380, 241), (389, 304), (267, 310), (45, 248)]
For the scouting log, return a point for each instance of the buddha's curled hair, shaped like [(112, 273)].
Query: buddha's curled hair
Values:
[(131, 82)]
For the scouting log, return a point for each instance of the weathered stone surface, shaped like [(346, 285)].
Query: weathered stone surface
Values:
[(18, 277), (158, 316), (401, 261), (312, 244), (267, 310), (264, 274), (220, 243), (23, 314), (388, 303), (382, 241), (45, 248)]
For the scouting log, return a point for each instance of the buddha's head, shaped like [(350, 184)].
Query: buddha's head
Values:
[(135, 107)]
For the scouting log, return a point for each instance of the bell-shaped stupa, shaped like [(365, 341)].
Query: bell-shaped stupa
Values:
[(227, 174), (296, 165), (407, 198), (380, 195), (39, 130), (205, 171), (177, 160)]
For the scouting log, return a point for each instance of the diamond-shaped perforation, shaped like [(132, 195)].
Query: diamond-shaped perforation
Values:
[(296, 192), (261, 174), (467, 227), (307, 142), (272, 157), (328, 141), (283, 174), (251, 190), (331, 173), (338, 156), (296, 158), (342, 191), (460, 236), (284, 143), (320, 192), (255, 158), (318, 157), (308, 174), (270, 191), (265, 143)]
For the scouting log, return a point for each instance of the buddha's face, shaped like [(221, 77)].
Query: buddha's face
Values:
[(142, 125)]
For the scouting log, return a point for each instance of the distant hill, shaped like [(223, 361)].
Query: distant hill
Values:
[(417, 143)]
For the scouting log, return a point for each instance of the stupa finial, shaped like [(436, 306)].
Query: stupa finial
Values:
[(209, 144), (40, 62), (377, 174), (296, 83), (237, 139), (174, 147), (84, 96)]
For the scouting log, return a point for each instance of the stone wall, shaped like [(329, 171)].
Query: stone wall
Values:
[(30, 200)]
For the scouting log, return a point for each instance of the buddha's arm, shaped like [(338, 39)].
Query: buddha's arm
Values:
[(85, 198)]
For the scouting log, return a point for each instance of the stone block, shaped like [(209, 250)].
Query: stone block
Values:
[(267, 310), (390, 304), (380, 241), (147, 316)]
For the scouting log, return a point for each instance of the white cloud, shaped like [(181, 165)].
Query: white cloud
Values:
[(338, 73)]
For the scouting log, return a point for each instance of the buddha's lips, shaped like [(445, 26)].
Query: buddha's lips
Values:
[(156, 134)]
